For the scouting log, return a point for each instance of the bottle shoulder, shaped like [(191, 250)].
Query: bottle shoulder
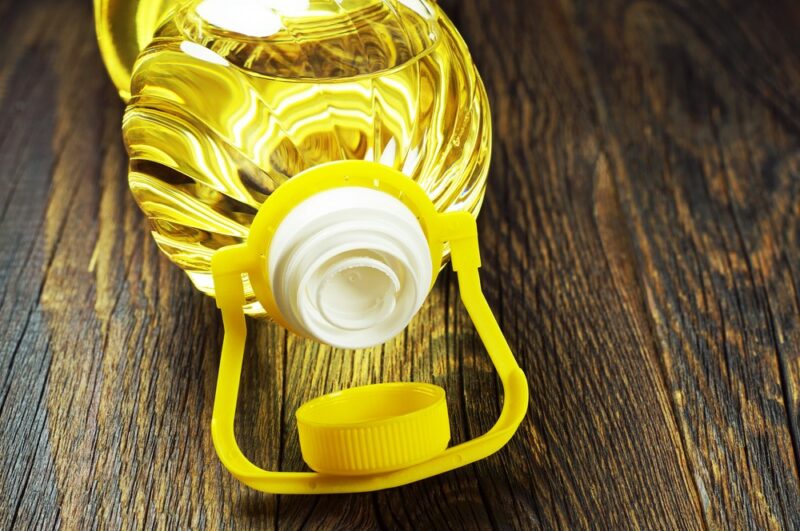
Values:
[(326, 41)]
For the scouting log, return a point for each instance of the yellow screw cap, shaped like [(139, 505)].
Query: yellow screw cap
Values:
[(374, 428)]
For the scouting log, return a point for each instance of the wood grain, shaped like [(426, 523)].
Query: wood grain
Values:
[(641, 248)]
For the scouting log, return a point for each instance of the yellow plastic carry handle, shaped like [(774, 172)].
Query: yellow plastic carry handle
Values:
[(372, 437)]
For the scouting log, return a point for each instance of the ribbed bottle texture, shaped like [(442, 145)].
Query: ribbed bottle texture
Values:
[(231, 99)]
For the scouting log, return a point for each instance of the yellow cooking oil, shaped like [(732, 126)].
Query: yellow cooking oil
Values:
[(231, 98), (124, 28)]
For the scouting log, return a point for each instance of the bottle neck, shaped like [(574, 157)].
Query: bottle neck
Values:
[(350, 267)]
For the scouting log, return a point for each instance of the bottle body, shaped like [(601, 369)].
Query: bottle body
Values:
[(225, 108), (124, 28)]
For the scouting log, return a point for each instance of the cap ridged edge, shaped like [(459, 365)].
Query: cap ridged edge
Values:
[(379, 445)]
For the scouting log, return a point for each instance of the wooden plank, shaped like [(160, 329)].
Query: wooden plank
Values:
[(640, 244), (597, 440), (27, 110), (699, 125)]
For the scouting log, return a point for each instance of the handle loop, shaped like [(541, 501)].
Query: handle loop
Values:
[(460, 231)]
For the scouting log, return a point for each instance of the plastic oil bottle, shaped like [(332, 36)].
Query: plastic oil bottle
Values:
[(316, 161), (231, 98)]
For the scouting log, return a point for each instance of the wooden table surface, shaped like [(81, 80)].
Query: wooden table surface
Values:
[(641, 246)]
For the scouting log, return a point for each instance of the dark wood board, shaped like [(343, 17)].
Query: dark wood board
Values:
[(641, 249)]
